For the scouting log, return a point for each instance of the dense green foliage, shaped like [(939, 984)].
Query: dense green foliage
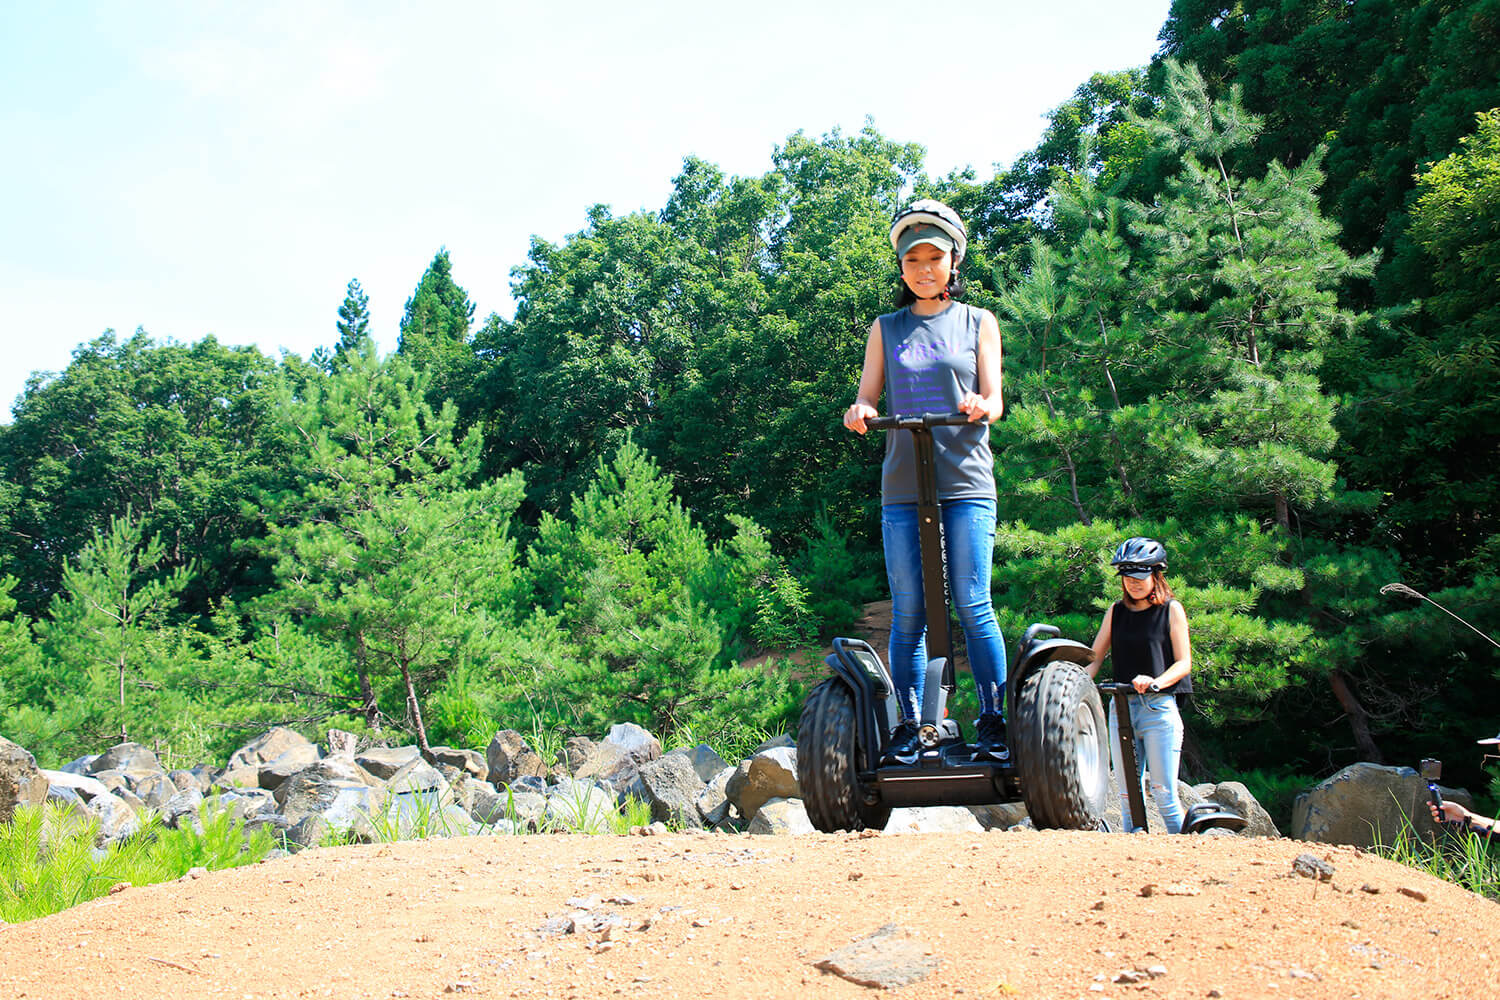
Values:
[(606, 507)]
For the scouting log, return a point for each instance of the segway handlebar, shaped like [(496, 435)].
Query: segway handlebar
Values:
[(921, 421)]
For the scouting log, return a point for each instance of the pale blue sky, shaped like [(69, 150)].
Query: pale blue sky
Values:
[(226, 168)]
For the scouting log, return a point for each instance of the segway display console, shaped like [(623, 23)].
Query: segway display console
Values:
[(1057, 760)]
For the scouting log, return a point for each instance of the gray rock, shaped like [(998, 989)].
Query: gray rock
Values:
[(1000, 816), (634, 740), (342, 743), (308, 831), (417, 776), (672, 789), (576, 750), (185, 780), (117, 820), (933, 819), (611, 764), (514, 809), (246, 803), (80, 766), (706, 762), (383, 762), (780, 740), (421, 815), (713, 804), (83, 785), (296, 757), (579, 806), (509, 757), (61, 795), (1365, 805), (126, 757), (767, 775), (471, 762), (237, 776), (885, 959), (329, 768), (1235, 797), (330, 789), (461, 785), (185, 804), (1313, 867), (780, 817), (205, 774), (152, 787), (530, 783), (268, 746)]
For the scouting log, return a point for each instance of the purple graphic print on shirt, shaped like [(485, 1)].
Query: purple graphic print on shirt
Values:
[(923, 369)]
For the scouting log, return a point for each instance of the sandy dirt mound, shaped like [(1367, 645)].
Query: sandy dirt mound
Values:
[(1015, 914)]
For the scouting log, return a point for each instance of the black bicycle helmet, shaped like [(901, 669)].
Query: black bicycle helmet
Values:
[(1137, 557), (930, 212)]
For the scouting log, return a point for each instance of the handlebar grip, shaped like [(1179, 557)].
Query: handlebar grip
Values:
[(899, 422)]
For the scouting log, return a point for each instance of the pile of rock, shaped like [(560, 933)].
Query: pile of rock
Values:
[(303, 792)]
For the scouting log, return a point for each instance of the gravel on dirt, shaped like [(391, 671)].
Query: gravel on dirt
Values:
[(1038, 914)]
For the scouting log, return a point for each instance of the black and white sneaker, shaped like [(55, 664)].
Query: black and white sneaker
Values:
[(904, 746), (991, 742)]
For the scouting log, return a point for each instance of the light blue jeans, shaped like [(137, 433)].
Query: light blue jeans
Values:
[(1158, 747), (969, 537)]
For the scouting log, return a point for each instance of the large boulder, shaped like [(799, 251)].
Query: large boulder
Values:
[(383, 762), (83, 786), (933, 819), (769, 774), (21, 781), (281, 767), (713, 803), (509, 757), (472, 762), (672, 789), (780, 817), (117, 820), (576, 750), (333, 789), (634, 740), (579, 806), (270, 745), (125, 757), (705, 760), (183, 809), (1367, 804)]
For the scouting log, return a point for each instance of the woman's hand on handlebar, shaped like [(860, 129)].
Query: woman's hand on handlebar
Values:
[(1141, 683), (977, 407), (857, 414)]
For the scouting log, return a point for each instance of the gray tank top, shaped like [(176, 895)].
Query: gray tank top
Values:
[(930, 362)]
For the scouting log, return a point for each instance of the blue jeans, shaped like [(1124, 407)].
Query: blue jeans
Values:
[(1158, 747), (969, 538)]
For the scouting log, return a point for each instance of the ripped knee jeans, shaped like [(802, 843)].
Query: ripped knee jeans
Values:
[(1158, 748)]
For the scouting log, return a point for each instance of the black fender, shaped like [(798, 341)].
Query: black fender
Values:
[(861, 669), (1039, 646)]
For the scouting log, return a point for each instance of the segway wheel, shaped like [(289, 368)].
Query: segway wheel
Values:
[(1061, 748), (827, 763)]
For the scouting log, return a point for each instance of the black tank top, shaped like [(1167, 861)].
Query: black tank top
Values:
[(1140, 642)]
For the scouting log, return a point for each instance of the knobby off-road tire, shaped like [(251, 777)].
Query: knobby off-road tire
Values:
[(1062, 748), (827, 763)]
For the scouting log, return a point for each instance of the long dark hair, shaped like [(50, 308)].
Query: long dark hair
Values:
[(905, 296)]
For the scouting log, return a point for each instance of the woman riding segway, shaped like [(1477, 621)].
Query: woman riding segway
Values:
[(1146, 633), (935, 354)]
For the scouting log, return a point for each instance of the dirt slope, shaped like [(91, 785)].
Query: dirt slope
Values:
[(1014, 914)]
